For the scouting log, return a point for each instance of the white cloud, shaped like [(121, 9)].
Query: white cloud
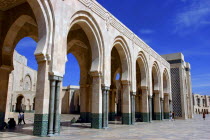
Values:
[(193, 16)]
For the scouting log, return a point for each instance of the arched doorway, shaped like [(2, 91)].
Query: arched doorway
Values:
[(142, 106), (20, 105), (166, 106), (120, 84), (155, 100), (84, 43)]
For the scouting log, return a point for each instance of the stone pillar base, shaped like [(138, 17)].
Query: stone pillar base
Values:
[(112, 116), (145, 117), (157, 115), (2, 116), (83, 116), (96, 121), (88, 117), (166, 115), (58, 126), (126, 118), (40, 125), (138, 114)]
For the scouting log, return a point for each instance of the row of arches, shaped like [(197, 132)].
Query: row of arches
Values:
[(82, 37)]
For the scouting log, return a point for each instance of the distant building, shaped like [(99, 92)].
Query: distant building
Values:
[(201, 103), (22, 86)]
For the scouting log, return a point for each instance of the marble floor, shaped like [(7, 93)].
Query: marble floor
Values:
[(192, 129)]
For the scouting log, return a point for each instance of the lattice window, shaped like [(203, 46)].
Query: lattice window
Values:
[(176, 92)]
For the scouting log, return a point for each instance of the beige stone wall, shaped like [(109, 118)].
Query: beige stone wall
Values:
[(22, 82)]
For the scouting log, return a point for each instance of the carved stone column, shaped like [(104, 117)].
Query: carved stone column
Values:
[(145, 106), (89, 98), (4, 79), (42, 99), (157, 106), (126, 103), (150, 107), (166, 107), (137, 106), (52, 105), (57, 107), (112, 112), (162, 109), (133, 94), (105, 107), (83, 103), (96, 120)]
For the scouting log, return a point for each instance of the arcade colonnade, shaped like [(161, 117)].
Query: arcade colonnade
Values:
[(103, 46)]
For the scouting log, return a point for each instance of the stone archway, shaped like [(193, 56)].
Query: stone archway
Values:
[(120, 89), (30, 22), (84, 41), (155, 100), (142, 107), (166, 92), (20, 104)]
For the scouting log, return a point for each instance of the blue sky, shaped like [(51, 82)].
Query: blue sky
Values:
[(168, 26)]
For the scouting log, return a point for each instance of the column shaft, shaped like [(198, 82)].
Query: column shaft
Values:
[(166, 107), (132, 107), (42, 100), (145, 107), (96, 120), (112, 112), (150, 108), (162, 109), (126, 104), (83, 103), (4, 79), (57, 108), (51, 107), (157, 107)]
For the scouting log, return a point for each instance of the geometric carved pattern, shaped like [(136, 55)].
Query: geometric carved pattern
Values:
[(176, 93)]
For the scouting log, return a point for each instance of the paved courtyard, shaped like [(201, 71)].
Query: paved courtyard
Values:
[(192, 129)]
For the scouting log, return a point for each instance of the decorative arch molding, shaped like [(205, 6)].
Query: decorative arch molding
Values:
[(28, 82), (143, 65), (157, 79), (125, 57), (41, 14), (93, 32), (166, 82), (9, 41)]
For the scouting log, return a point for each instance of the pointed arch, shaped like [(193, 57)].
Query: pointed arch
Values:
[(143, 65), (166, 84), (93, 32), (125, 57), (156, 76)]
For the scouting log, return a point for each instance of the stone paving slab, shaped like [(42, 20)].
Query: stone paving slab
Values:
[(192, 129)]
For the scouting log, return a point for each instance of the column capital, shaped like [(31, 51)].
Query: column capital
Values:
[(144, 88), (125, 82), (133, 93), (95, 74), (149, 96), (6, 68), (42, 57), (55, 78), (156, 91), (105, 87)]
